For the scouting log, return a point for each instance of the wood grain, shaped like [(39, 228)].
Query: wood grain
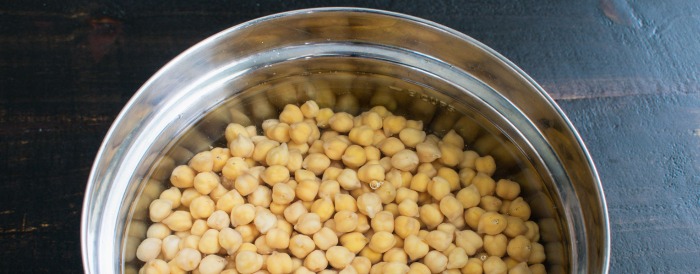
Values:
[(625, 72)]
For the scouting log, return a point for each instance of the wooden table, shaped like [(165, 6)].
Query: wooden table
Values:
[(627, 73)]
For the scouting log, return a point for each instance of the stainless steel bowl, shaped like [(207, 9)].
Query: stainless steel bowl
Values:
[(348, 59)]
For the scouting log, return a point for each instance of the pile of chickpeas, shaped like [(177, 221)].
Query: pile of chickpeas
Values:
[(327, 192)]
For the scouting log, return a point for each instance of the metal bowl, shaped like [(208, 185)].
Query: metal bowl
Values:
[(348, 59)]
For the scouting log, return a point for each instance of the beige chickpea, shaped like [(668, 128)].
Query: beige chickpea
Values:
[(468, 159), (472, 216), (209, 242), (469, 241), (301, 245), (430, 215), (486, 165), (451, 207), (345, 202), (405, 160), (354, 156), (328, 188), (262, 148), (391, 146), (492, 223), (275, 174), (205, 182), (201, 207), (230, 240), (339, 257), (307, 190), (262, 247), (248, 262), (242, 215), (361, 264), (453, 138), (323, 117), (170, 245), (494, 265), (182, 176), (332, 172), (387, 194), (188, 259), (300, 133), (234, 167), (370, 172), (435, 261), (279, 263), (233, 130), (451, 176), (393, 124), (291, 114), (345, 221), (218, 192), (354, 241), (438, 240), (411, 137), (415, 247), (490, 203), (519, 248), (278, 132), (316, 163), (242, 146), (369, 204), (247, 246), (219, 157), (348, 179), (495, 245), (294, 211), (466, 175), (308, 223), (537, 254), (409, 208), (451, 155), (533, 231), (309, 109), (404, 193), (218, 220), (362, 223), (427, 169), (473, 266), (282, 194), (428, 152), (277, 238), (341, 122), (335, 147), (485, 184), (415, 124), (248, 232), (324, 208), (381, 241), (261, 196), (155, 266), (519, 208), (246, 183), (420, 182), (469, 196), (189, 241), (406, 226), (149, 249), (515, 227), (303, 270), (457, 258), (362, 135), (373, 256), (264, 220), (159, 209), (383, 221), (173, 195), (372, 153), (395, 268), (507, 189), (316, 261), (419, 268)]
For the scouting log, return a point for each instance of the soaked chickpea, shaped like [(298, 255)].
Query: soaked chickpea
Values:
[(339, 192)]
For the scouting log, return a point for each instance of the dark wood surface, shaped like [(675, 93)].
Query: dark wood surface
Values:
[(627, 73)]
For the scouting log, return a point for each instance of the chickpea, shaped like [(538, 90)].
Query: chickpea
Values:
[(507, 189), (438, 240), (345, 202), (519, 248), (395, 268), (393, 124), (278, 263), (409, 208), (173, 195), (277, 238), (466, 175), (248, 232), (537, 254), (391, 146), (457, 258), (469, 197), (537, 269), (495, 265), (262, 196), (362, 135), (149, 249), (484, 184), (294, 211), (415, 247), (345, 221), (188, 259), (309, 109), (435, 261), (328, 189), (348, 179), (301, 245), (300, 132), (519, 208), (218, 220), (419, 268), (245, 184), (248, 262), (354, 156), (189, 241), (473, 266), (316, 163), (307, 190), (323, 117), (242, 215), (486, 165), (264, 220), (339, 257), (515, 227), (370, 172), (179, 221), (469, 241), (354, 241), (472, 216), (382, 241), (533, 231), (332, 172), (159, 209), (490, 203), (406, 226), (492, 223), (451, 155), (247, 246), (411, 137), (369, 204), (362, 223), (361, 264), (316, 261), (241, 146), (374, 257), (183, 176), (230, 240), (308, 223), (430, 215), (209, 242), (262, 247), (495, 245), (372, 153), (234, 167), (420, 182), (275, 174), (405, 160), (325, 238), (324, 208)]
